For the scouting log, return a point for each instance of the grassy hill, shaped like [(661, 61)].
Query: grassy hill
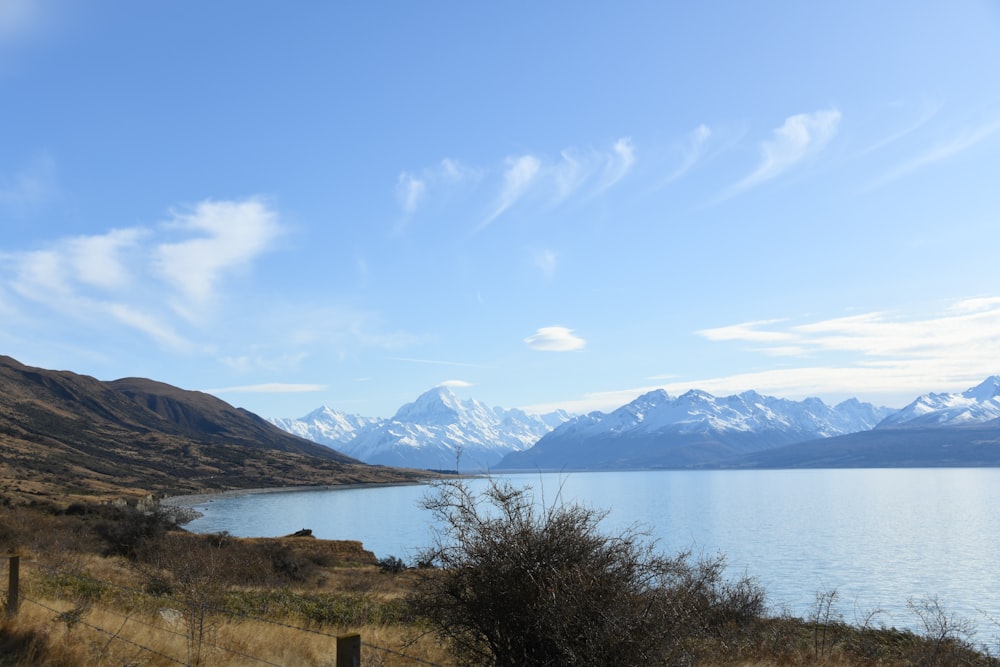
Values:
[(64, 434)]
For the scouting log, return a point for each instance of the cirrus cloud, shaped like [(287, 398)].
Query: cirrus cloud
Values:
[(799, 137)]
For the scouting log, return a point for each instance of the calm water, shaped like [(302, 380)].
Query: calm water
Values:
[(878, 537)]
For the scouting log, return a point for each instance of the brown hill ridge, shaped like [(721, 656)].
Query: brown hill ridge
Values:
[(64, 434)]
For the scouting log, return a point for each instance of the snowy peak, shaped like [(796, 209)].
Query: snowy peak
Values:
[(977, 405), (437, 406), (437, 431), (700, 412), (987, 390), (326, 426)]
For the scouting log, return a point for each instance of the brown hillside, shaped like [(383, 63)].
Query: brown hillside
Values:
[(67, 434)]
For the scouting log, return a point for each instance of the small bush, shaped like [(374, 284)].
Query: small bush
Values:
[(391, 564)]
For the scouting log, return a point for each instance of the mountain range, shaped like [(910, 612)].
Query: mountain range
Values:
[(657, 430)]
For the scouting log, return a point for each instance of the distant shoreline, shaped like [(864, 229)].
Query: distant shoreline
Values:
[(189, 501)]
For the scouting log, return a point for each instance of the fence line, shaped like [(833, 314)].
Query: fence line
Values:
[(14, 596), (113, 635)]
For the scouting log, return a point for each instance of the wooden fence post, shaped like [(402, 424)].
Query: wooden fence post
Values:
[(13, 584), (349, 651)]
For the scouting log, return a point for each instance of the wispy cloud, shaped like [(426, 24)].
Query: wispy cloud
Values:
[(617, 165), (801, 136), (126, 274), (555, 339), (410, 190), (413, 189), (517, 179), (575, 172), (942, 151), (436, 362), (694, 150), (227, 235)]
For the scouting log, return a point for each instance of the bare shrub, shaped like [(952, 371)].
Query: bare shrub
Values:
[(948, 638), (517, 584)]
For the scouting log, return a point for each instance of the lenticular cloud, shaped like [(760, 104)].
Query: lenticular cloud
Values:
[(555, 339)]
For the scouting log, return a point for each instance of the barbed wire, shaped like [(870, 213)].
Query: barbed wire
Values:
[(245, 616), (113, 635)]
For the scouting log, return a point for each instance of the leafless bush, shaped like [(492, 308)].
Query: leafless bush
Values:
[(517, 584)]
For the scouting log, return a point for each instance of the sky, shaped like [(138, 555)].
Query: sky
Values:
[(538, 204)]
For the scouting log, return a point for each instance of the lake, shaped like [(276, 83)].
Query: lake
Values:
[(879, 537)]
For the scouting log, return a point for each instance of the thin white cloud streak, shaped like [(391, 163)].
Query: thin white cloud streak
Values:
[(555, 339), (518, 178), (575, 171), (151, 326), (270, 388), (746, 331), (410, 190), (693, 152), (436, 362), (929, 111), (413, 190), (801, 136), (942, 151), (879, 358), (231, 235), (617, 165)]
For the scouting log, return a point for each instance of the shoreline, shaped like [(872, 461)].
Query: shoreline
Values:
[(190, 500)]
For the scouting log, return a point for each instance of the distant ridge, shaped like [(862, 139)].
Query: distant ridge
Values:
[(61, 433)]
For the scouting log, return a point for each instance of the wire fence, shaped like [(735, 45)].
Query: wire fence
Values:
[(76, 616)]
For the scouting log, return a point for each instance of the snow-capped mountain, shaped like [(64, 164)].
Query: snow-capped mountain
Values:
[(436, 431), (695, 428), (326, 426), (978, 405)]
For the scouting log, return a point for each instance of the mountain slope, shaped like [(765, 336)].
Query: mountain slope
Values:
[(657, 430), (62, 432), (436, 431), (977, 405), (920, 447)]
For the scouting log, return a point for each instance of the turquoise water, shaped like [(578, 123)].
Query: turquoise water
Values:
[(879, 537)]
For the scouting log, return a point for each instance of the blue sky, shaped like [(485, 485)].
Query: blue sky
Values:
[(558, 204)]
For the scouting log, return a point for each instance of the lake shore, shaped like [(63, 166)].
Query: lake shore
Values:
[(187, 501)]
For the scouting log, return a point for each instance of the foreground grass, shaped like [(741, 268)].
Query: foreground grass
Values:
[(105, 586)]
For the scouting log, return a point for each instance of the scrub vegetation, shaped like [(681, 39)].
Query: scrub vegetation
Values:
[(509, 582)]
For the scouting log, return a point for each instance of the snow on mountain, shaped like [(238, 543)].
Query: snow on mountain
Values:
[(657, 429), (436, 431), (977, 405), (700, 412), (326, 426)]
